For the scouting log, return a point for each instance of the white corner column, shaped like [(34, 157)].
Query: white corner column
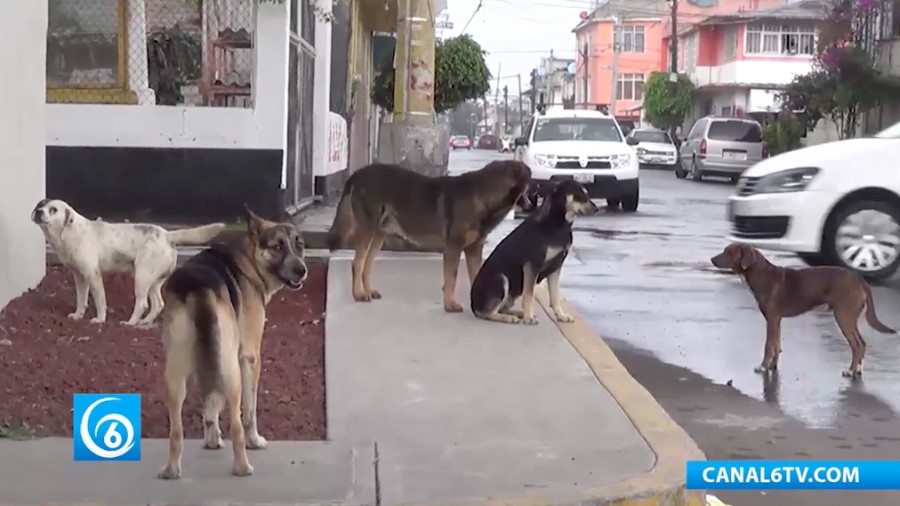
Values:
[(22, 143), (138, 78), (270, 79), (322, 92)]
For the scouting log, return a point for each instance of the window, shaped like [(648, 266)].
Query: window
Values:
[(630, 87), (690, 52), (730, 43), (630, 38), (86, 52), (772, 39), (651, 136), (576, 129), (734, 130)]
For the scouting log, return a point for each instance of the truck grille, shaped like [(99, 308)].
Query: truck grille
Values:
[(760, 227), (571, 162)]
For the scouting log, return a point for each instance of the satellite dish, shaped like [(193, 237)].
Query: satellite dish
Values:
[(541, 71), (583, 15), (571, 68)]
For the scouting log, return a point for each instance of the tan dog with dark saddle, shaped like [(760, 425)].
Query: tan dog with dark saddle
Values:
[(782, 292)]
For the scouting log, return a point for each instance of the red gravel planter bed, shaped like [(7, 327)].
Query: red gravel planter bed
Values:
[(45, 357)]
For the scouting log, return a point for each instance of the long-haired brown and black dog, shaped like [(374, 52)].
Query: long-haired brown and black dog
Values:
[(453, 214)]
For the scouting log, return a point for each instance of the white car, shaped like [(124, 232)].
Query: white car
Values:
[(832, 204), (654, 148), (584, 145)]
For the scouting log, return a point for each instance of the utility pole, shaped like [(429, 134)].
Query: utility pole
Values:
[(585, 65), (521, 112), (673, 43), (617, 48), (533, 89), (673, 64), (505, 109), (497, 101)]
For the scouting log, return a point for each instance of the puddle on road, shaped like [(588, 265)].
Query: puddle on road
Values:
[(691, 266), (603, 233)]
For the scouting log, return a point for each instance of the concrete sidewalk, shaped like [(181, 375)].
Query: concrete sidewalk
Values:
[(423, 407)]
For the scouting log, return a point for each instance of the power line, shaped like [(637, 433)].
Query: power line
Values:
[(477, 8)]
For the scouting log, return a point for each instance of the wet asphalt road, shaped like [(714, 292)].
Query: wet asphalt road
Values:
[(685, 331)]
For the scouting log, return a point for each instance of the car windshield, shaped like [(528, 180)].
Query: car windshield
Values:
[(733, 130), (891, 132), (460, 138), (576, 129), (651, 137)]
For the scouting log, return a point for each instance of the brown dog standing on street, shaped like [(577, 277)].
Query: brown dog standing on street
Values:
[(453, 214), (783, 292)]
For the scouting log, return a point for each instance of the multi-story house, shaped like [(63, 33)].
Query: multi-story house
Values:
[(637, 31), (739, 62), (554, 82)]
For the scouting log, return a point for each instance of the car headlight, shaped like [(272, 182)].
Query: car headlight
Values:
[(545, 161), (791, 180), (620, 161), (641, 151)]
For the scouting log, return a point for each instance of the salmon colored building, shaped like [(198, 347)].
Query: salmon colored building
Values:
[(642, 43)]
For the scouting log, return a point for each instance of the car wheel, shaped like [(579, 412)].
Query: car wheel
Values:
[(630, 202), (612, 204), (696, 173), (680, 173), (864, 236)]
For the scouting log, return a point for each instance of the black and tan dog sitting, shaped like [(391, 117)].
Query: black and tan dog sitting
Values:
[(535, 250)]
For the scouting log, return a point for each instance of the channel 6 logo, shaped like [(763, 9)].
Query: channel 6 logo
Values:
[(107, 427)]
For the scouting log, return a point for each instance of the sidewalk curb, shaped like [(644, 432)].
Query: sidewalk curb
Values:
[(664, 483)]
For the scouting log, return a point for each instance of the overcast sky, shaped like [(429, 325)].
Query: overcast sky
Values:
[(516, 33)]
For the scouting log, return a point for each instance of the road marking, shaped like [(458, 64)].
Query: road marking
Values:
[(712, 500)]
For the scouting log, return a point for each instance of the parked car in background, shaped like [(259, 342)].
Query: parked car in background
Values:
[(720, 146), (488, 141), (654, 148), (833, 204), (460, 142), (584, 145), (506, 145)]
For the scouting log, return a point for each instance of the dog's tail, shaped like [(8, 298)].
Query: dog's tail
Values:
[(195, 236), (207, 345), (871, 318), (342, 226)]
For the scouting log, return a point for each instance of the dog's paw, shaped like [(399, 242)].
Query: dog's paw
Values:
[(564, 318), (129, 323), (374, 294), (760, 369), (169, 473), (256, 442), (362, 297), (452, 307), (218, 444), (98, 319), (242, 470), (850, 373), (530, 321), (75, 316)]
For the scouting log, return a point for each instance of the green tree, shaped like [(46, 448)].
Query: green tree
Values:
[(783, 133), (460, 74), (666, 103)]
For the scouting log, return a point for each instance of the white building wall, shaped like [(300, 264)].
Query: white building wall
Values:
[(22, 251), (149, 125), (751, 72)]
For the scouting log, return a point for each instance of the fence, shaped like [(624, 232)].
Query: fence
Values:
[(163, 52)]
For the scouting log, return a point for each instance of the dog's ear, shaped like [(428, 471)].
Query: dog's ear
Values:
[(255, 224), (749, 256), (67, 220)]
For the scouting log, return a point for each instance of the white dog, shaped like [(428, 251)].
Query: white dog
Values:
[(92, 248)]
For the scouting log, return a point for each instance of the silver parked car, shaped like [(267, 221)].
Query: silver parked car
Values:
[(721, 146)]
